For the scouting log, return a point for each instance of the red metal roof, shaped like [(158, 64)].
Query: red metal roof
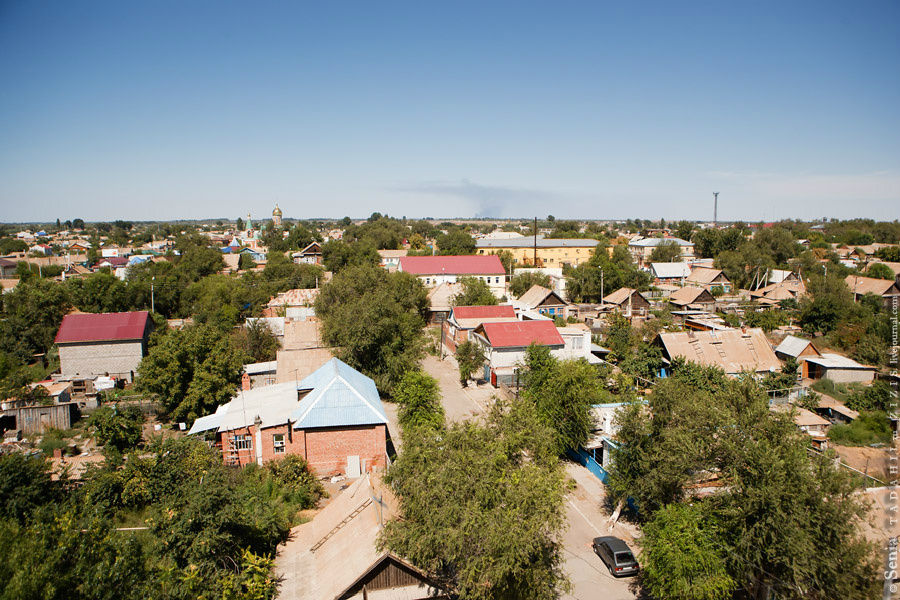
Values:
[(484, 312), (519, 334), (90, 327), (452, 265)]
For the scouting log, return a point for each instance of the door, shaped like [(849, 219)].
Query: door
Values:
[(353, 470)]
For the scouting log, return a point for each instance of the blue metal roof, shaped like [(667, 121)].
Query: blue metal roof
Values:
[(339, 396)]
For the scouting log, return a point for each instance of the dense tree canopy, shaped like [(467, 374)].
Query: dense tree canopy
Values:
[(475, 292), (583, 283), (375, 320), (495, 532), (191, 371), (522, 282), (785, 519)]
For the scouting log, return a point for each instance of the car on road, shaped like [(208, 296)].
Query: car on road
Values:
[(617, 556)]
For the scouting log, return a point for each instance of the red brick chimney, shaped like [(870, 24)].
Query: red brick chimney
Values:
[(245, 382)]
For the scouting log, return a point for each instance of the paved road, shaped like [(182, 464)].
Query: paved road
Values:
[(587, 520), (460, 403)]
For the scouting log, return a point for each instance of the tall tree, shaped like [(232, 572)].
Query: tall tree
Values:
[(192, 371), (420, 402), (375, 320), (475, 292), (495, 535), (469, 359)]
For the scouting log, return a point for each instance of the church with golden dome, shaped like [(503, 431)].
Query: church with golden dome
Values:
[(276, 217)]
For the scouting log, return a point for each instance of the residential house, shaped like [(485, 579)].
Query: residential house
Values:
[(435, 270), (838, 368), (390, 259), (464, 319), (779, 275), (504, 346), (256, 255), (789, 288), (835, 411), (538, 251), (808, 422), (577, 344), (709, 279), (543, 301), (311, 255), (735, 351), (259, 374), (797, 349), (675, 273), (886, 289), (102, 344), (642, 248), (694, 297), (628, 301), (335, 556), (7, 268), (333, 418), (295, 304)]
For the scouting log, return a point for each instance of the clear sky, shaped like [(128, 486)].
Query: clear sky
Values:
[(186, 109)]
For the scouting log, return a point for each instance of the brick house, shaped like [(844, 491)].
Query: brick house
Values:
[(464, 319), (333, 418), (102, 344)]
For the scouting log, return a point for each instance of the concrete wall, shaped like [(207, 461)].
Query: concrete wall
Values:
[(849, 375), (87, 359)]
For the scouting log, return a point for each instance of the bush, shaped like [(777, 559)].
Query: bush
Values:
[(292, 472), (118, 428), (869, 428)]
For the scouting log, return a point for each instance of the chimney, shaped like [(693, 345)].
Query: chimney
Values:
[(245, 381)]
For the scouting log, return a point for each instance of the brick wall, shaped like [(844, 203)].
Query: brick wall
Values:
[(326, 450), (87, 359)]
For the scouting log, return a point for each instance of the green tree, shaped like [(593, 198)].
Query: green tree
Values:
[(470, 359), (494, 536), (522, 282), (191, 371), (336, 255), (118, 428), (454, 242), (257, 341), (562, 393), (666, 251), (32, 313), (420, 401), (880, 271), (375, 319), (475, 292), (245, 262), (682, 558), (26, 484)]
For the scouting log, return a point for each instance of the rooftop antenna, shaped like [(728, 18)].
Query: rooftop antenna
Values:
[(715, 209)]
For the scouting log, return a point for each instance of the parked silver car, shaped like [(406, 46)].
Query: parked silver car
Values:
[(617, 556)]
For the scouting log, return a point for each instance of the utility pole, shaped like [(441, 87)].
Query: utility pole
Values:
[(601, 285), (535, 242), (715, 209), (152, 303)]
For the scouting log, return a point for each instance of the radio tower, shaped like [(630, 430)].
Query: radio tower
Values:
[(715, 209)]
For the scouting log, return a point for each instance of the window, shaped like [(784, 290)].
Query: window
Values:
[(579, 343), (278, 441), (243, 442)]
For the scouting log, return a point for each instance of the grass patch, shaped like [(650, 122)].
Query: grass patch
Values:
[(869, 428)]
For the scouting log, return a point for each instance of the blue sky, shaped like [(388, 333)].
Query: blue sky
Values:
[(161, 110)]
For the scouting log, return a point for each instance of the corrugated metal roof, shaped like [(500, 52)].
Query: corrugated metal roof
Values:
[(674, 270), (732, 350), (101, 327), (837, 361), (452, 265), (793, 346), (869, 285), (484, 312), (689, 295), (653, 242), (338, 396), (519, 334), (542, 242)]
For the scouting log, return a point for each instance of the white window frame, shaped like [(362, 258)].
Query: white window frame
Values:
[(278, 443), (243, 441)]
